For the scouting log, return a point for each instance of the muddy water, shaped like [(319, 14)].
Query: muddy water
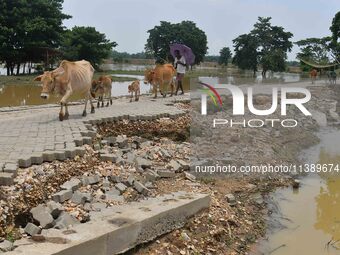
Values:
[(19, 95), (309, 217)]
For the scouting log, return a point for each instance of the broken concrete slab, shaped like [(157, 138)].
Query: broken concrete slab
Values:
[(114, 231)]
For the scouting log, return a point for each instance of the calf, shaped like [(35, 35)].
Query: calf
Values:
[(134, 87), (103, 88)]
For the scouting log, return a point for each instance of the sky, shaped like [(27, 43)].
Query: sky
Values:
[(127, 21)]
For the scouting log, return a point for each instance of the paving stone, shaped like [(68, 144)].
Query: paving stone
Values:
[(6, 179), (93, 179), (65, 220), (122, 141), (54, 208), (98, 206), (70, 153), (115, 178), (11, 168), (62, 196), (72, 184), (121, 187), (37, 159), (141, 188), (151, 176), (166, 174), (42, 215), (175, 165), (32, 229), (142, 162), (108, 157), (131, 179), (78, 198), (190, 176), (6, 246), (60, 155), (185, 165), (231, 199), (48, 156), (25, 162), (80, 151)]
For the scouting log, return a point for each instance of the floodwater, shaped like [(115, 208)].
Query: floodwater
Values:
[(21, 95), (307, 220)]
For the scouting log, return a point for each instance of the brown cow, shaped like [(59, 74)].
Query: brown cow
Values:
[(134, 87), (161, 75), (67, 79), (102, 87), (313, 75)]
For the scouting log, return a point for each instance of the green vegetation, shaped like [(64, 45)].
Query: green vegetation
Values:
[(321, 50), (266, 45), (28, 30), (86, 43), (124, 57), (225, 55), (32, 32), (186, 32)]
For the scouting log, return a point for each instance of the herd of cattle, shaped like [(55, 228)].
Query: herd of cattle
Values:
[(77, 78)]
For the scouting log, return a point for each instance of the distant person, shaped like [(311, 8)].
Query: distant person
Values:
[(313, 75), (180, 65), (332, 75)]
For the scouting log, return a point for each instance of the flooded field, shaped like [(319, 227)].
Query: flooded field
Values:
[(307, 220), (19, 95)]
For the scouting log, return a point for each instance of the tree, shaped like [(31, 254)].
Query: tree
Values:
[(314, 50), (86, 43), (246, 52), (335, 43), (266, 45), (225, 55), (27, 27), (186, 32)]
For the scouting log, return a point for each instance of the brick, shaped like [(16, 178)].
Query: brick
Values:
[(141, 188), (65, 220), (121, 187)]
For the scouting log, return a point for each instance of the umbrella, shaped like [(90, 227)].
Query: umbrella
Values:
[(185, 51)]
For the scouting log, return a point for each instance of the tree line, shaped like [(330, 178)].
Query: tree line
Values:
[(32, 32)]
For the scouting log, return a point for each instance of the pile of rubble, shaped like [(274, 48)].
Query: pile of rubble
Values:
[(115, 170)]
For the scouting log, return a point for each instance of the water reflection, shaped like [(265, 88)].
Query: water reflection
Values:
[(311, 214)]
